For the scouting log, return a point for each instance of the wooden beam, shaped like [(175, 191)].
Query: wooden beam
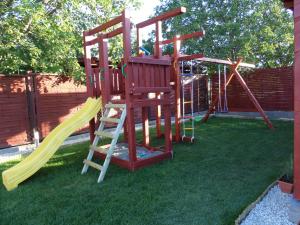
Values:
[(253, 99), (113, 33), (221, 61), (183, 37), (105, 36), (104, 26), (190, 57), (162, 17)]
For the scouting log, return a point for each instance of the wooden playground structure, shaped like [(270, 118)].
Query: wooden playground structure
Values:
[(144, 81)]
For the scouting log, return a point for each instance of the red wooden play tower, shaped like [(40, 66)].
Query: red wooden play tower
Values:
[(142, 81)]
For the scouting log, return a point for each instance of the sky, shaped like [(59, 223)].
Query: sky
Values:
[(146, 10)]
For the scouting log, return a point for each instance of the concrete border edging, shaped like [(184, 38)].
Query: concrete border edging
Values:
[(249, 208)]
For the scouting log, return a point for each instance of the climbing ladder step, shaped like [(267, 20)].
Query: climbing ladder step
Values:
[(110, 105), (92, 164), (188, 102), (104, 134), (100, 149), (100, 133), (110, 120), (188, 128)]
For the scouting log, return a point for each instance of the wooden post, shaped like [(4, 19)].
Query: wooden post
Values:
[(168, 129), (89, 80), (145, 119), (297, 101), (130, 111), (104, 70), (158, 54), (176, 72), (138, 41)]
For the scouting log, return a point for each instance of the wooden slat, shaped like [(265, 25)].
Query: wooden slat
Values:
[(113, 33), (92, 42), (150, 90), (149, 102), (104, 134), (92, 164), (162, 17), (110, 105), (110, 120), (148, 60)]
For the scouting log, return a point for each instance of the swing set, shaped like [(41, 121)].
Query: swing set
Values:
[(143, 81)]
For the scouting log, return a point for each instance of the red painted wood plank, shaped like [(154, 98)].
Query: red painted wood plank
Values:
[(147, 60), (162, 17)]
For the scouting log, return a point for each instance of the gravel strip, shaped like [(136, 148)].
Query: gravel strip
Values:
[(272, 210)]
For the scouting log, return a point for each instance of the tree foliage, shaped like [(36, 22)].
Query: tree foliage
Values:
[(260, 31), (46, 35)]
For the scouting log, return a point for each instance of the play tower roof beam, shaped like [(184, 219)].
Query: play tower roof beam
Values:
[(105, 36), (184, 37), (104, 26), (162, 17), (212, 60)]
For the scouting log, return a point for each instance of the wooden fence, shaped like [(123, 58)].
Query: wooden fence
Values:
[(41, 102), (37, 102), (273, 88)]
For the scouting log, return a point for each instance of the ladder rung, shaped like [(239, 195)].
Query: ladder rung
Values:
[(104, 134), (110, 105), (110, 120), (188, 102), (92, 164), (99, 149), (188, 128)]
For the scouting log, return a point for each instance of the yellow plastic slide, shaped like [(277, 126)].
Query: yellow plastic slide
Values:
[(31, 164)]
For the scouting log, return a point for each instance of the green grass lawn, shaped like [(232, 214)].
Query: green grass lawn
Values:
[(208, 182)]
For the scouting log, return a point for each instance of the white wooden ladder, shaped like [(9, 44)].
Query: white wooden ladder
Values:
[(100, 133)]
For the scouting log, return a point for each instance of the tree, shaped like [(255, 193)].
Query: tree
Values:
[(46, 35), (260, 31)]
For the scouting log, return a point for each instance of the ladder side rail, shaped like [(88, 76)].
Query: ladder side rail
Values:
[(183, 102), (192, 109), (225, 90), (112, 146), (95, 142), (219, 90)]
